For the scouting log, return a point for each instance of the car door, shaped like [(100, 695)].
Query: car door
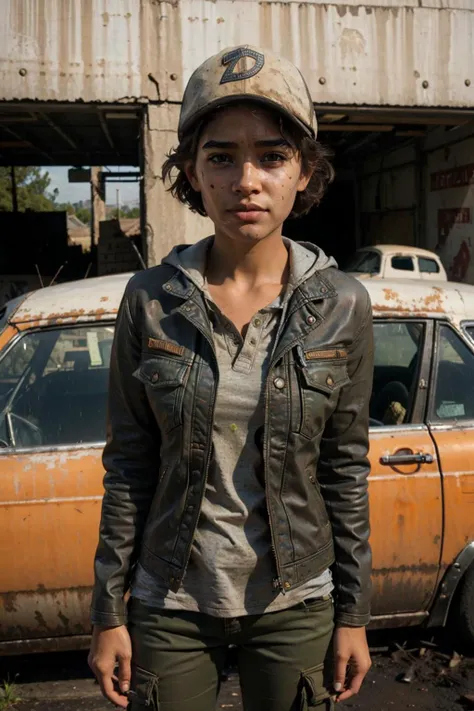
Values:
[(451, 422), (404, 483), (53, 392)]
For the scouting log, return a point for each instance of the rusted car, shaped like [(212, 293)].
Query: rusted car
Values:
[(396, 261), (54, 357)]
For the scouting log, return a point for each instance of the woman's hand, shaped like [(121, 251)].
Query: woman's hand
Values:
[(351, 660), (111, 646)]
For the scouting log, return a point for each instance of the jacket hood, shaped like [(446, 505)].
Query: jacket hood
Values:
[(305, 260)]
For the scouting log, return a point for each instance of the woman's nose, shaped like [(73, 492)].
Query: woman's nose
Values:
[(248, 181)]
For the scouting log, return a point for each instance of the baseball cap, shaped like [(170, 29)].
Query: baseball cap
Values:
[(248, 73)]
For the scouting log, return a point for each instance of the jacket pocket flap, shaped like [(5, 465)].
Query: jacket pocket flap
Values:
[(162, 372), (326, 377)]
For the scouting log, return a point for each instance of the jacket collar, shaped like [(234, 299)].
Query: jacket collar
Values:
[(301, 316)]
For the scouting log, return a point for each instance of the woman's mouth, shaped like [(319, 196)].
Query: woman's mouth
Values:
[(249, 212)]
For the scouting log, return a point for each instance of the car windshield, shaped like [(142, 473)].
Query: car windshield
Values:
[(7, 309), (364, 262), (53, 387)]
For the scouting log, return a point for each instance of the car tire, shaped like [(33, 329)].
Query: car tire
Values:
[(464, 611)]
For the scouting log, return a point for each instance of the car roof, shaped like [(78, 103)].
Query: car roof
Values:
[(96, 298), (99, 299), (399, 249), (416, 297)]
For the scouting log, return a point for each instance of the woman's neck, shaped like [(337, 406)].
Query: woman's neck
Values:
[(263, 262)]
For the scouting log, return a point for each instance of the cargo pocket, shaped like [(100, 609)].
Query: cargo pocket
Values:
[(144, 691), (313, 691)]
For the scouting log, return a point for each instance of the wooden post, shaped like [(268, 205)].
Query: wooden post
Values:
[(97, 203), (14, 192)]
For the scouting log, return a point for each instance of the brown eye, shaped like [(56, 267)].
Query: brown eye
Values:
[(220, 158), (274, 157)]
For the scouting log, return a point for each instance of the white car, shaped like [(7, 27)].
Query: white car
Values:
[(392, 261)]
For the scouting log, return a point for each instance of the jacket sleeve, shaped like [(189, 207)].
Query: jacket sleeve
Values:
[(343, 471), (131, 460)]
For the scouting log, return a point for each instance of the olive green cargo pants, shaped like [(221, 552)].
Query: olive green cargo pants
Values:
[(178, 658)]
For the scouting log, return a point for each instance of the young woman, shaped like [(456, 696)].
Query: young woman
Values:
[(235, 507)]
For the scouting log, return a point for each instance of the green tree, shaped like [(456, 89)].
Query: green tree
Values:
[(67, 207), (84, 214), (125, 211), (31, 187), (131, 211)]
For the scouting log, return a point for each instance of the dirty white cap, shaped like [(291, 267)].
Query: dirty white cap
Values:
[(248, 73)]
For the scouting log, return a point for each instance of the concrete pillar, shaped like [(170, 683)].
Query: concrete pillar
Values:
[(167, 221), (97, 203)]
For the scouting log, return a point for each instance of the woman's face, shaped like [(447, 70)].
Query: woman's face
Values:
[(247, 173)]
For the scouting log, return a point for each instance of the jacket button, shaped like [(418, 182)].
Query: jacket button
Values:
[(310, 320), (257, 322), (323, 290), (279, 383), (287, 585), (167, 287), (190, 509), (155, 377), (312, 479), (329, 381)]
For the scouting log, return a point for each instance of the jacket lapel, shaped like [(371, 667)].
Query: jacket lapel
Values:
[(302, 315)]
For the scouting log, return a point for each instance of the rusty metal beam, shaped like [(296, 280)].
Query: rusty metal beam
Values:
[(409, 119), (396, 111), (16, 135), (15, 118), (105, 130), (354, 128), (58, 130), (15, 144)]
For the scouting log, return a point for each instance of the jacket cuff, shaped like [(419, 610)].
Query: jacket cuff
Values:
[(108, 619), (346, 619)]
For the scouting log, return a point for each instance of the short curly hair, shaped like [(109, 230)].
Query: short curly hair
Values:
[(315, 159)]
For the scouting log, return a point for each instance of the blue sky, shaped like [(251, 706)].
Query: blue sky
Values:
[(73, 192)]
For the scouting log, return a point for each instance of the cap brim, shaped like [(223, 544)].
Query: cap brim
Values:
[(240, 98)]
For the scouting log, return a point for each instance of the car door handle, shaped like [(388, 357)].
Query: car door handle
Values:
[(406, 458)]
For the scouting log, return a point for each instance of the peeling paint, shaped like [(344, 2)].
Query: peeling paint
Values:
[(57, 305), (402, 297)]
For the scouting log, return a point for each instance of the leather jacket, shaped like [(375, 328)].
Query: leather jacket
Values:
[(163, 381)]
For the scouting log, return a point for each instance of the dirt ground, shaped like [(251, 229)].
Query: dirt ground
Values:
[(409, 672)]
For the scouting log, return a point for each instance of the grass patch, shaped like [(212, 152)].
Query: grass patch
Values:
[(8, 695)]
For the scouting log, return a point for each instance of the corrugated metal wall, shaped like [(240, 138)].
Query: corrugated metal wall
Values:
[(71, 50), (410, 53)]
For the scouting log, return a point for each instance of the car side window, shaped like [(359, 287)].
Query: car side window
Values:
[(454, 383), (398, 348), (428, 266), (53, 387), (470, 331), (403, 263)]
